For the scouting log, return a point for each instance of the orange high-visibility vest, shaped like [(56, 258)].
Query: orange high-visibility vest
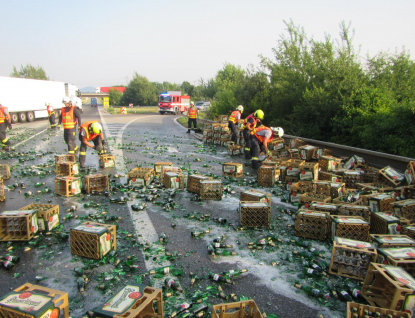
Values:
[(261, 138), (192, 112), (232, 117), (89, 133), (50, 110), (3, 117), (247, 118), (68, 118)]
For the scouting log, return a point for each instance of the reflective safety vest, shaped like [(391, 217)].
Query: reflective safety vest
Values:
[(88, 131), (192, 112), (232, 117), (68, 118), (247, 118), (261, 138), (3, 117), (51, 111)]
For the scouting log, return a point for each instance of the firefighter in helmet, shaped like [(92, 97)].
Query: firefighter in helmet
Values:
[(192, 114), (52, 116), (233, 122), (252, 121), (90, 131), (260, 137), (69, 118), (5, 122)]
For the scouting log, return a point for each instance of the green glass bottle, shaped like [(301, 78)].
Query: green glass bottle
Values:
[(219, 278), (169, 282), (234, 272), (312, 272), (167, 270), (224, 252), (310, 290)]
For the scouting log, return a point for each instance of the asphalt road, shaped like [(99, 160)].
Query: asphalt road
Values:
[(142, 140)]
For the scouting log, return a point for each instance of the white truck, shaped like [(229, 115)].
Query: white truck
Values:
[(26, 98)]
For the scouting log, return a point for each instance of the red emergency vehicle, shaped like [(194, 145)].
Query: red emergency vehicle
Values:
[(173, 102)]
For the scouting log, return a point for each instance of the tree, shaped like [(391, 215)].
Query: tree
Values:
[(140, 92), (29, 71), (114, 96)]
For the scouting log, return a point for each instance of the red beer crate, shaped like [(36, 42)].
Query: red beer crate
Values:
[(49, 302)]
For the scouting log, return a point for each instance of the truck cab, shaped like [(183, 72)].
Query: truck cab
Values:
[(173, 102), (94, 102)]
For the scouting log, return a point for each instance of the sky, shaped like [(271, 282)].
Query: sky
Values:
[(104, 43)]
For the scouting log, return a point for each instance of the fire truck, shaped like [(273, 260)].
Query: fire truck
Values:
[(173, 102)]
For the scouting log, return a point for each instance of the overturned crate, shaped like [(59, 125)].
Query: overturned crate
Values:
[(391, 241), (256, 195), (174, 180), (403, 257), (234, 150), (312, 224), (67, 186), (48, 215), (381, 202), (106, 161), (31, 300), (405, 208), (354, 309), (20, 225), (308, 197), (352, 227), (384, 223), (94, 183), (232, 169), (93, 240), (193, 182), (388, 287), (65, 158), (67, 169), (240, 309), (254, 214), (5, 171), (158, 166), (355, 210), (351, 258), (140, 176), (133, 301), (389, 177), (330, 208), (211, 190)]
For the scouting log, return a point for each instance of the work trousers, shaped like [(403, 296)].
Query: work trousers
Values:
[(256, 147), (234, 131), (82, 152), (192, 121), (52, 121), (4, 140), (247, 150), (70, 137)]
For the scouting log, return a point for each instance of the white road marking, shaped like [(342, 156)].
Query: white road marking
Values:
[(22, 142)]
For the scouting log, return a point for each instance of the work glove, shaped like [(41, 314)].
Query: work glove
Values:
[(98, 148), (59, 127), (10, 126), (104, 142), (269, 155)]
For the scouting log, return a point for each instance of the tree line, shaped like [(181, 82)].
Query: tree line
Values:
[(314, 89)]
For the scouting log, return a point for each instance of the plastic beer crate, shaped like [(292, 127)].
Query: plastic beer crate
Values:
[(2, 195), (331, 208), (329, 163), (353, 161), (389, 177), (405, 208), (48, 215), (301, 187), (410, 173), (20, 225), (350, 177), (133, 301), (308, 197), (381, 202), (267, 176), (296, 143), (67, 186), (67, 169), (38, 301), (276, 144), (232, 169), (353, 308), (384, 223), (388, 286), (95, 182), (329, 176), (256, 195), (387, 241), (351, 258), (106, 161), (193, 182), (352, 227), (165, 169), (312, 224), (174, 180), (65, 158), (254, 214), (403, 257), (307, 152), (211, 190), (234, 150), (158, 166), (140, 176), (240, 309), (355, 210), (93, 240), (408, 230), (308, 171), (5, 171)]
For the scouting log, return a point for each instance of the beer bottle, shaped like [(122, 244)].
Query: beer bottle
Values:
[(309, 290), (179, 309), (8, 264), (167, 270), (224, 252), (81, 284), (199, 233), (234, 272), (219, 278), (312, 272), (221, 245), (169, 282), (10, 258)]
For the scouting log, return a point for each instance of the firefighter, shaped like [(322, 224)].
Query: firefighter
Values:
[(52, 116), (192, 114), (260, 137), (253, 120), (233, 122), (5, 122), (69, 118), (90, 131)]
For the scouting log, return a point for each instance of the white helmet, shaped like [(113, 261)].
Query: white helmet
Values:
[(192, 103), (278, 131), (240, 108), (66, 100), (47, 104)]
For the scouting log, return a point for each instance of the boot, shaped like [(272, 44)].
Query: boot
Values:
[(247, 153), (188, 131), (255, 164)]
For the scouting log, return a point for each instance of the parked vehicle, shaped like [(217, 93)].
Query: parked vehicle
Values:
[(202, 105), (26, 98), (94, 102), (173, 102)]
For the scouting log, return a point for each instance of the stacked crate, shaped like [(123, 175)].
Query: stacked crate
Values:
[(106, 161), (308, 197), (355, 210), (351, 258), (352, 227), (193, 182), (405, 208), (391, 241), (312, 224), (299, 188), (384, 223), (256, 195), (308, 171), (381, 202), (158, 166), (307, 152), (329, 163), (232, 169), (330, 208)]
